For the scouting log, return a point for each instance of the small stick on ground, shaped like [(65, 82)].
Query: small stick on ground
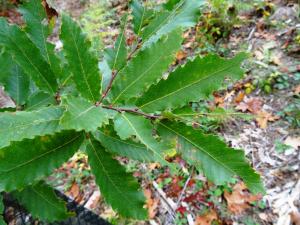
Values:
[(184, 188), (169, 202)]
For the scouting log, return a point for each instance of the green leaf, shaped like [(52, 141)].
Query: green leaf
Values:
[(127, 125), (80, 114), (65, 77), (36, 24), (106, 75), (1, 210), (38, 30), (27, 56), (117, 57), (82, 62), (16, 126), (24, 162), (141, 16), (146, 68), (184, 15), (1, 204), (126, 148), (17, 85), (15, 81), (42, 203), (119, 188), (209, 153), (38, 100), (169, 5), (196, 80), (2, 221)]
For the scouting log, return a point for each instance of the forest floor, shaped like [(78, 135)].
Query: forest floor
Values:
[(259, 114)]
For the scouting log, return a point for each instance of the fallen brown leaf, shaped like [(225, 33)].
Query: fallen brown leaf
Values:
[(297, 90), (264, 117), (229, 95), (186, 35), (240, 97), (153, 166), (206, 219), (174, 188), (151, 203), (295, 217), (240, 198), (242, 106), (253, 105), (74, 192), (219, 100), (259, 55), (268, 36), (276, 60), (284, 69)]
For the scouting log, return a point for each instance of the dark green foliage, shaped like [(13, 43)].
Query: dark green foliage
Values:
[(1, 211), (43, 154), (62, 104), (41, 201), (119, 188), (13, 79)]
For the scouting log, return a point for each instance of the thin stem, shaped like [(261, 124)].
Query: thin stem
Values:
[(136, 47), (134, 111), (113, 77), (184, 188)]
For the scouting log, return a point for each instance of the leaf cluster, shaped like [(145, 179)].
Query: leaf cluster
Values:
[(64, 102)]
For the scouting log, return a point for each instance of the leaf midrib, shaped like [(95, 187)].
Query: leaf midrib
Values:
[(119, 47), (189, 85), (141, 139), (38, 157), (138, 78), (81, 65), (130, 144), (44, 198), (107, 174), (197, 146), (18, 85), (142, 20), (36, 69), (28, 124), (124, 142), (44, 36), (164, 22), (39, 103), (83, 112)]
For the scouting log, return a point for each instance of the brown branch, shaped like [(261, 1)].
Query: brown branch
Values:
[(184, 188), (137, 46), (134, 111), (113, 77)]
